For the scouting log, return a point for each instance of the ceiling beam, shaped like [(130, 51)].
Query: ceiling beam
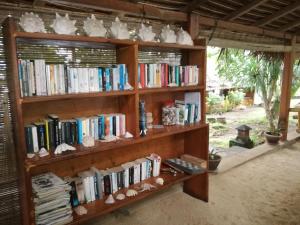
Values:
[(193, 5), (128, 7), (288, 9), (246, 8), (290, 25)]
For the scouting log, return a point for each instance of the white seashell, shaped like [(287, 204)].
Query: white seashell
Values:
[(131, 193), (119, 30), (184, 38), (43, 152), (159, 181), (63, 25), (80, 210), (146, 33), (110, 138), (110, 200), (127, 86), (62, 148), (94, 27), (167, 35), (120, 197), (31, 22), (146, 187), (30, 155), (88, 141), (128, 135)]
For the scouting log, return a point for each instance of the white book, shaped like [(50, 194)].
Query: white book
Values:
[(44, 77), (92, 187), (37, 77), (116, 78), (32, 79), (70, 80), (75, 80), (85, 80), (48, 76), (137, 173), (117, 125), (86, 185), (35, 139), (194, 98)]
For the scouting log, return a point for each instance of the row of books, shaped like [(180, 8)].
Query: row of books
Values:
[(51, 199), (165, 75), (51, 132), (94, 184), (41, 79)]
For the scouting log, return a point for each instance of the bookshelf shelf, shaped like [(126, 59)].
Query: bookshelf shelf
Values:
[(32, 164), (167, 142), (34, 99)]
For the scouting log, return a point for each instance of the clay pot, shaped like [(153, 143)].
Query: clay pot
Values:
[(214, 163), (272, 138)]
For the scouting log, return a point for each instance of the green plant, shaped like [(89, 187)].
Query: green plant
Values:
[(213, 154), (235, 97), (214, 99)]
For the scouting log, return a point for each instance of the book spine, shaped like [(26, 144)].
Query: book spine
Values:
[(41, 135), (79, 130), (35, 139), (29, 139), (47, 136)]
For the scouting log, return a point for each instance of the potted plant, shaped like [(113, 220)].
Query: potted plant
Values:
[(273, 136), (214, 160)]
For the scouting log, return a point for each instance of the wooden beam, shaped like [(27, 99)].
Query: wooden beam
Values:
[(193, 4), (193, 27), (290, 25), (128, 7), (246, 8), (285, 97), (288, 9)]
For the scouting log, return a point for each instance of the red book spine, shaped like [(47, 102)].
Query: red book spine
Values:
[(107, 125), (166, 75), (142, 71)]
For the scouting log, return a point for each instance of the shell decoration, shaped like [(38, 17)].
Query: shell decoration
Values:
[(184, 38), (159, 181), (131, 193), (119, 30), (120, 197), (94, 27), (63, 24), (146, 33), (110, 200), (168, 35), (31, 22)]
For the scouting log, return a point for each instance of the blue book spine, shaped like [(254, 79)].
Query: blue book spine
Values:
[(96, 186), (107, 83), (79, 130), (100, 79), (177, 75), (122, 75), (99, 128)]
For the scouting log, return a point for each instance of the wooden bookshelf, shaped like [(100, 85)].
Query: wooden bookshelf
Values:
[(171, 141)]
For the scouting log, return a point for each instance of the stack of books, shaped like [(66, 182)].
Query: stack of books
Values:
[(165, 75), (94, 184), (51, 132), (51, 200), (40, 79)]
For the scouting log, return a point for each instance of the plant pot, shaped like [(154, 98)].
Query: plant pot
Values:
[(272, 138), (214, 163)]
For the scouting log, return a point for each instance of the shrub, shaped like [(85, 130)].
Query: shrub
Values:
[(214, 103), (235, 97)]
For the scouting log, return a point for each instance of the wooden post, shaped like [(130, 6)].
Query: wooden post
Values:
[(285, 98), (193, 26)]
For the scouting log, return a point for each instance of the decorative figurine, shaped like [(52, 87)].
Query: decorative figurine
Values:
[(119, 30), (63, 25), (145, 33), (143, 122), (167, 35), (184, 38), (131, 193), (120, 197), (159, 181), (146, 187), (31, 22), (94, 27), (62, 148), (43, 152), (110, 200), (128, 135)]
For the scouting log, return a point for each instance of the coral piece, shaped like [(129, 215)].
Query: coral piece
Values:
[(128, 135), (159, 181), (184, 38), (63, 25), (120, 197), (110, 200), (80, 210), (88, 141), (146, 187), (146, 33), (94, 27), (62, 148), (43, 152), (131, 193), (110, 138), (31, 22), (119, 30), (167, 35)]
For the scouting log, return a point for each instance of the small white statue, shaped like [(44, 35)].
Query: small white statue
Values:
[(119, 30), (146, 33), (94, 27), (63, 25), (31, 22), (167, 35), (184, 38)]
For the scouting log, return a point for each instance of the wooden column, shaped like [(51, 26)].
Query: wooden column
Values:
[(193, 26), (285, 98)]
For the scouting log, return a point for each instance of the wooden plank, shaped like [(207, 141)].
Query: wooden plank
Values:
[(286, 10), (193, 27), (129, 8), (285, 97), (290, 25), (193, 5), (245, 9)]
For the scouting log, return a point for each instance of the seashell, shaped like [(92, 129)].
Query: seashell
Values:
[(131, 193), (127, 86), (159, 181), (43, 152), (110, 200), (31, 22), (110, 138), (167, 35), (146, 187), (94, 27), (128, 135), (30, 155), (62, 148), (80, 210), (63, 25), (184, 38), (120, 197), (119, 30), (88, 141), (146, 33)]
